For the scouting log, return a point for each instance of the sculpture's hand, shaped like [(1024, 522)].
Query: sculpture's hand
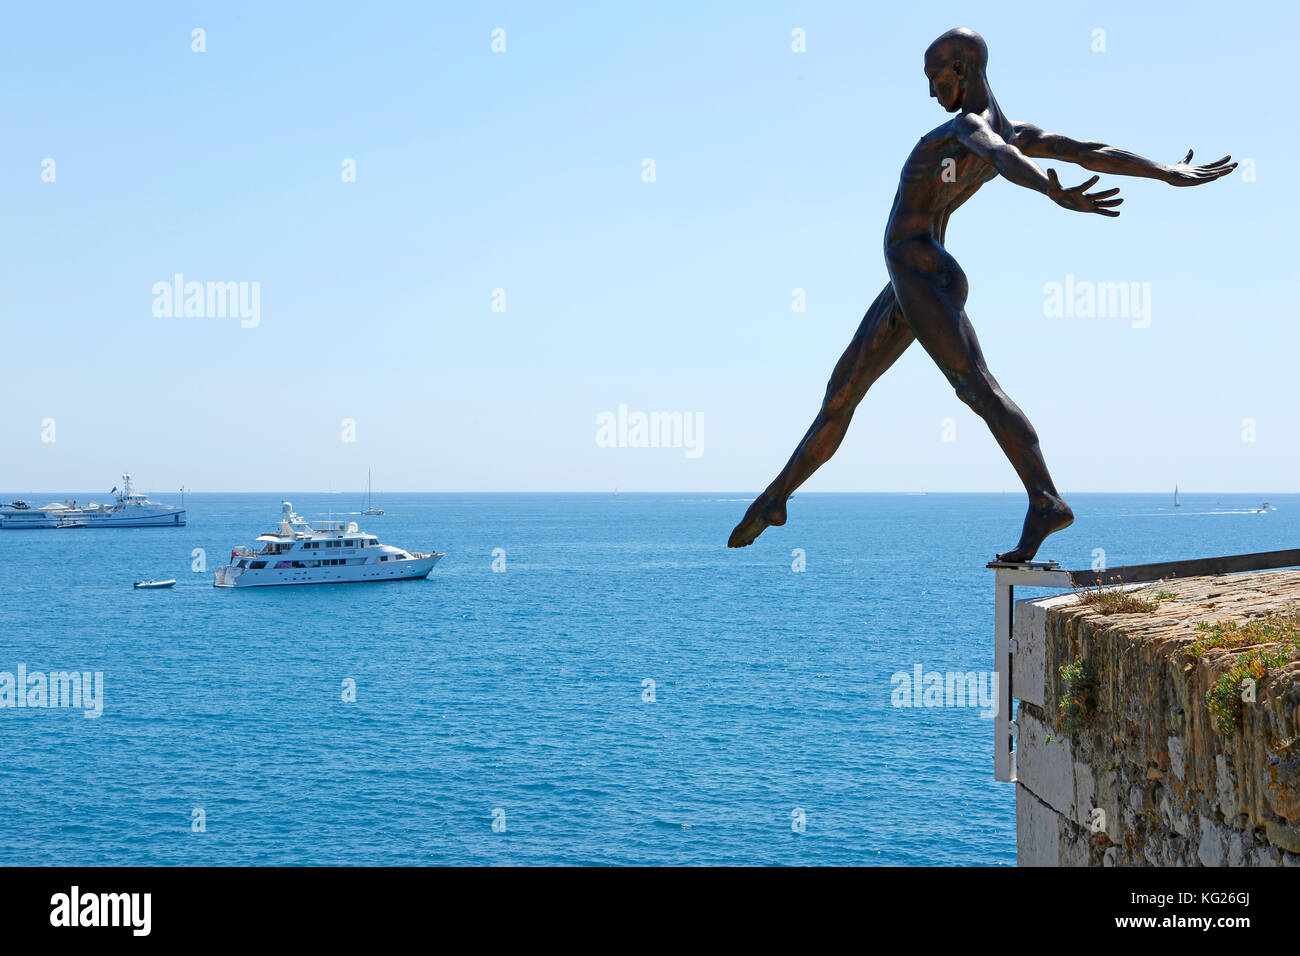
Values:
[(1184, 174), (1079, 199)]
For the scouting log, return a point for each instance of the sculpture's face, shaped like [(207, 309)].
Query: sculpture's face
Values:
[(947, 82)]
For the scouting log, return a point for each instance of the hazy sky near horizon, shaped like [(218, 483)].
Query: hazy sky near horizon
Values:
[(525, 171)]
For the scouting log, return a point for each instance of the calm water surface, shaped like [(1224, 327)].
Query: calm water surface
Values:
[(521, 691)]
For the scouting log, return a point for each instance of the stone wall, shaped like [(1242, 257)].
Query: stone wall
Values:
[(1170, 787)]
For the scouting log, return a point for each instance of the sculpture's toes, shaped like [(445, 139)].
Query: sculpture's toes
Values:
[(764, 512)]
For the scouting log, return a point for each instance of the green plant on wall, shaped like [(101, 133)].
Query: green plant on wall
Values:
[(1078, 700), (1112, 599), (1225, 698), (1280, 628)]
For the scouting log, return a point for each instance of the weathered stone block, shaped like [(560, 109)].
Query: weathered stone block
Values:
[(1045, 768), (1038, 836), (1029, 679), (1174, 789)]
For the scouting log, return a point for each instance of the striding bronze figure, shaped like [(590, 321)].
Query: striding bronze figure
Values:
[(926, 296)]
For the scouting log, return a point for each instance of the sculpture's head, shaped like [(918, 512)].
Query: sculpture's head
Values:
[(951, 62)]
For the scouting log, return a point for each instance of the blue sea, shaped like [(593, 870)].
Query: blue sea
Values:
[(623, 689)]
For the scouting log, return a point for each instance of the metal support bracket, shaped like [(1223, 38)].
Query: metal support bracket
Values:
[(1040, 574)]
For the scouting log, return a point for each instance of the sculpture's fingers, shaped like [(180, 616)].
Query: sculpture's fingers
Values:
[(1051, 177), (1188, 158), (1217, 162), (1108, 202), (1088, 185), (1104, 194), (1107, 212)]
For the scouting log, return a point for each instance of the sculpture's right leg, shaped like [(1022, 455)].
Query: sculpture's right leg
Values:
[(881, 338), (932, 291)]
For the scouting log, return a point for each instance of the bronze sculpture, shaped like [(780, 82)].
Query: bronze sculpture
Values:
[(926, 295)]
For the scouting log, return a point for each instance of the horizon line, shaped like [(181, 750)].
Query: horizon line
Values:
[(613, 493)]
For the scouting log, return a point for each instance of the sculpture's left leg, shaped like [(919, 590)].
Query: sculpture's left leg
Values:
[(881, 338)]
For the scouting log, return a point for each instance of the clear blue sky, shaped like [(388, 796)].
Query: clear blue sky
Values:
[(523, 171)]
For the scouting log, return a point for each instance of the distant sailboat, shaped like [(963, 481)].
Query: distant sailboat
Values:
[(1177, 503), (370, 507)]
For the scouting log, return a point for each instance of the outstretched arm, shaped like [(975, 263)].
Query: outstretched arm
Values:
[(1099, 157), (977, 135)]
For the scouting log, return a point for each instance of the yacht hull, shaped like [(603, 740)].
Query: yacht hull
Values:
[(229, 576), (16, 521)]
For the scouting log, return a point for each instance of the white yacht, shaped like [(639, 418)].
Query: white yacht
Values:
[(129, 510), (323, 552)]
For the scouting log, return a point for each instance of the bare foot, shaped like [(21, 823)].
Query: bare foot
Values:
[(766, 510), (1051, 515)]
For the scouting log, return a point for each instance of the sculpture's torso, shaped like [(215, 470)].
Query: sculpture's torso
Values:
[(940, 174)]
